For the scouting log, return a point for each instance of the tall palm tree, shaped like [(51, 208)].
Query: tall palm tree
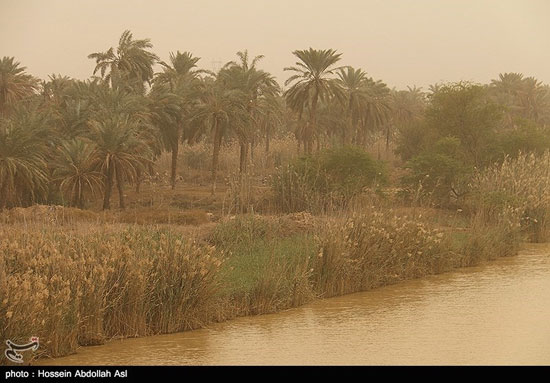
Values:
[(352, 81), (120, 152), (254, 84), (15, 84), (533, 99), (312, 82), (132, 64), (221, 110), (23, 156), (376, 113), (407, 106), (181, 79), (523, 97), (75, 170), (271, 115)]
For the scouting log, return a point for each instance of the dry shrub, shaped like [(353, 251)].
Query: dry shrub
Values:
[(517, 191), (72, 289), (378, 248), (371, 250)]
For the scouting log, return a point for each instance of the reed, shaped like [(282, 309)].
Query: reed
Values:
[(86, 284)]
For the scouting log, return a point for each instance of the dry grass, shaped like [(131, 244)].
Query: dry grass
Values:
[(91, 282), (518, 191), (72, 288)]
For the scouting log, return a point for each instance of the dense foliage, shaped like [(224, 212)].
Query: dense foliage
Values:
[(68, 141)]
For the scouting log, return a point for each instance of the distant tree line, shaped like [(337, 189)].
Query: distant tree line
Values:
[(70, 140)]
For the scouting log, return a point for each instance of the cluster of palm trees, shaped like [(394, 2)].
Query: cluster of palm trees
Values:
[(83, 138)]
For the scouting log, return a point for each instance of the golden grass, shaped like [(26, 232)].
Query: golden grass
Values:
[(83, 284), (518, 191), (72, 288)]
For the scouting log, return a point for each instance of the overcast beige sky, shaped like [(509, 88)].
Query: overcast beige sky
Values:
[(398, 41)]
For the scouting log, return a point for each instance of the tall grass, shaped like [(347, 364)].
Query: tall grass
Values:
[(72, 289), (364, 251), (82, 287), (517, 190)]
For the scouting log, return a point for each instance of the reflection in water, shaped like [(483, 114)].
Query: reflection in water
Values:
[(498, 313)]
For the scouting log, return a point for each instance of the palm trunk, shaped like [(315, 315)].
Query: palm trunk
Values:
[(313, 123), (3, 193), (120, 186), (175, 149), (387, 139), (348, 129), (267, 137), (80, 200), (108, 188), (75, 199), (215, 155)]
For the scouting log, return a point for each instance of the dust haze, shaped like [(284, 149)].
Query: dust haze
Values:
[(401, 42)]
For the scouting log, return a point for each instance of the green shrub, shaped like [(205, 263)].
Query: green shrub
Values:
[(329, 179), (440, 173)]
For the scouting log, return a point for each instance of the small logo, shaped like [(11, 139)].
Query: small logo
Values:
[(13, 348)]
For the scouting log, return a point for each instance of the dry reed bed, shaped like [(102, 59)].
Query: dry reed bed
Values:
[(81, 287)]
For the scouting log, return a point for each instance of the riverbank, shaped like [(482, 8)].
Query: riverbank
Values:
[(491, 314), (91, 283)]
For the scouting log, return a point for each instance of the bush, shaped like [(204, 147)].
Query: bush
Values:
[(527, 138), (329, 179), (518, 191), (439, 174)]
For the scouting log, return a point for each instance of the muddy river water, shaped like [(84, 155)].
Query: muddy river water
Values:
[(495, 314)]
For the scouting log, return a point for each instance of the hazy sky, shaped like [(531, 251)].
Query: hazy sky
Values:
[(400, 42)]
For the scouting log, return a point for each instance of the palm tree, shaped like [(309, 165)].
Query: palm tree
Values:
[(352, 81), (221, 110), (271, 114), (75, 170), (181, 79), (120, 152), (523, 97), (15, 84), (254, 84), (533, 99), (23, 156), (132, 63), (312, 83), (376, 113), (407, 106)]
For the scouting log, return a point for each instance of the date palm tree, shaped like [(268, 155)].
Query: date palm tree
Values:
[(220, 111), (377, 111), (311, 83), (352, 81), (75, 170), (132, 64), (407, 106), (23, 156), (176, 89), (255, 84), (120, 151), (15, 84)]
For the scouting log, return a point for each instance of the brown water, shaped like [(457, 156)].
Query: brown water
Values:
[(494, 314)]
